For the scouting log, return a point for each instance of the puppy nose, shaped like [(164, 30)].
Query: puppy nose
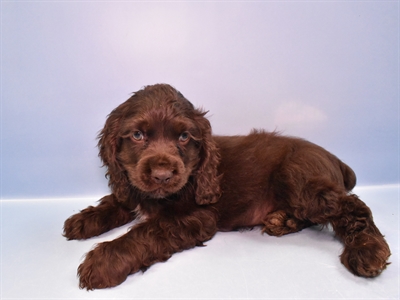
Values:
[(161, 175)]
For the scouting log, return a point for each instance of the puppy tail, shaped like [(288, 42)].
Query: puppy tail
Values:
[(349, 177)]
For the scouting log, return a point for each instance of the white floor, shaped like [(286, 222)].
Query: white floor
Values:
[(38, 263)]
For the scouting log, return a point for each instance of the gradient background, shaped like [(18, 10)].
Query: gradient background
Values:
[(326, 71)]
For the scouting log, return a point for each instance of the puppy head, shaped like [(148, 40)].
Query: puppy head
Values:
[(156, 142)]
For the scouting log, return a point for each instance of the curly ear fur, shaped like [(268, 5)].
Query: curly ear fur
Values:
[(207, 181), (109, 143)]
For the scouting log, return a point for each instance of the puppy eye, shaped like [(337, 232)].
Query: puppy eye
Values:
[(137, 135), (184, 137)]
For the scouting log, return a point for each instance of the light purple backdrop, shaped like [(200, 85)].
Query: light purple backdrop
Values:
[(327, 71)]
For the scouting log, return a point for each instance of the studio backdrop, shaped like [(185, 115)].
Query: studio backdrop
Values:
[(327, 71)]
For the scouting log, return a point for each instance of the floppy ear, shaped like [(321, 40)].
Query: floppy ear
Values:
[(109, 142), (206, 179)]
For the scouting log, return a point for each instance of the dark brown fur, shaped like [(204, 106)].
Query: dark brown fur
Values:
[(166, 168)]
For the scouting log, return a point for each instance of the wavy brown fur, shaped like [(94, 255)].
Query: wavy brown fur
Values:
[(184, 184)]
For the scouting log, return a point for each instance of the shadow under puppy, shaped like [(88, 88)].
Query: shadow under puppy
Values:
[(165, 167)]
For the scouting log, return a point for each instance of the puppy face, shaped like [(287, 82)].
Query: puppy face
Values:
[(160, 149), (154, 143)]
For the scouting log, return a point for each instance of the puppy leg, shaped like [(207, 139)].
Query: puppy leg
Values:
[(152, 241), (365, 249), (279, 223), (94, 221)]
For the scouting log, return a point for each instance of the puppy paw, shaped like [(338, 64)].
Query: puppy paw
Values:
[(103, 267), (83, 225), (368, 258), (278, 223), (75, 229)]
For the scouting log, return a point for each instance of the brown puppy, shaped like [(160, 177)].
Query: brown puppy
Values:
[(166, 168)]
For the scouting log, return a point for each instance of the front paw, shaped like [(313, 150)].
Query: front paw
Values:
[(75, 229), (86, 224), (368, 258), (105, 266)]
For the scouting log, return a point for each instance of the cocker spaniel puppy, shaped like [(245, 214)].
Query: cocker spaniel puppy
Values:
[(165, 168)]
